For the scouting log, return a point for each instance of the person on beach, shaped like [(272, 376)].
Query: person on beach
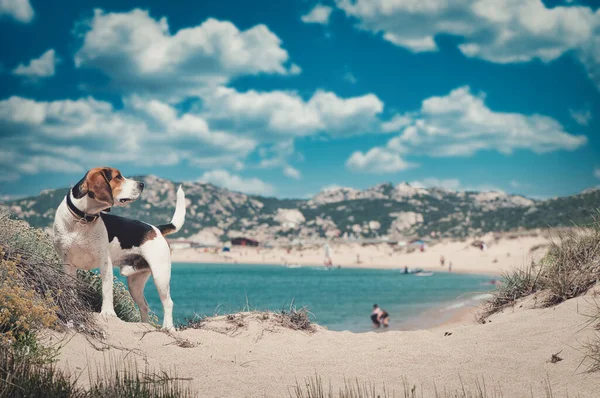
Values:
[(442, 261), (379, 317), (450, 266)]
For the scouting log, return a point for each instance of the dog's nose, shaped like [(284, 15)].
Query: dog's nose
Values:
[(141, 186)]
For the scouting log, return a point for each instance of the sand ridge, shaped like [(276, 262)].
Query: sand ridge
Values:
[(511, 352)]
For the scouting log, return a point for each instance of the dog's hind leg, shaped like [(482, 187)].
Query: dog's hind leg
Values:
[(162, 280), (136, 283), (158, 256)]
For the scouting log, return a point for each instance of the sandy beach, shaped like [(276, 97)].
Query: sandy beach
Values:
[(249, 356), (501, 255)]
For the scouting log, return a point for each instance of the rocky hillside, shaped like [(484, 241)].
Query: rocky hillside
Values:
[(395, 211)]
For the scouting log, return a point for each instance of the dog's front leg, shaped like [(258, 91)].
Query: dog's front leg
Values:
[(106, 272)]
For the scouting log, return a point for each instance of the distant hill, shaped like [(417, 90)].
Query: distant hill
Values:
[(396, 211)]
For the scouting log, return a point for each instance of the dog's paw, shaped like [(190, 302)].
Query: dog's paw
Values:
[(108, 313), (168, 328)]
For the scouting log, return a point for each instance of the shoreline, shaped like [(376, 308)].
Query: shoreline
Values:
[(498, 257), (316, 264)]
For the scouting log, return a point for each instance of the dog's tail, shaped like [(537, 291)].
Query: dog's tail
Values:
[(178, 218)]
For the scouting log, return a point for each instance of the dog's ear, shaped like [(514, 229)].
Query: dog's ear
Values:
[(99, 188), (81, 188)]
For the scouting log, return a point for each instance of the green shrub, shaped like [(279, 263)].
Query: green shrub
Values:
[(39, 270)]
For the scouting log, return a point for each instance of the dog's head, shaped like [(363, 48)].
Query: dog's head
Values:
[(107, 186)]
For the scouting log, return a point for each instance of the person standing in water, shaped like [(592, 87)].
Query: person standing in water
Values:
[(379, 317)]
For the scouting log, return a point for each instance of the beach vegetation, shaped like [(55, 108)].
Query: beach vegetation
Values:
[(570, 268), (21, 377), (292, 317), (31, 266), (314, 387)]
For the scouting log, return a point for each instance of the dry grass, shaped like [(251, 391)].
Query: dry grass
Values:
[(572, 265), (592, 347), (22, 378), (313, 387), (570, 268), (518, 283)]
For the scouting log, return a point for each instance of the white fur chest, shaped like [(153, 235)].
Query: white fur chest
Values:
[(82, 245)]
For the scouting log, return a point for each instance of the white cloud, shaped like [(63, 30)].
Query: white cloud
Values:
[(20, 10), (319, 14), (499, 31), (396, 123), (276, 155), (224, 179), (454, 184), (44, 66), (451, 184), (70, 136), (597, 172), (292, 172), (377, 160), (589, 54), (582, 116), (295, 69), (285, 114), (140, 54), (460, 124)]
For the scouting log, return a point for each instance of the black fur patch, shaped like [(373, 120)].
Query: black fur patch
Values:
[(131, 233), (166, 229), (136, 261)]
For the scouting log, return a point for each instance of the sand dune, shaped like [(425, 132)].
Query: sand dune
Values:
[(252, 357), (500, 255)]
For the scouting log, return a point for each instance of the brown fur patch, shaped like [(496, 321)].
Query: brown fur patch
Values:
[(150, 235)]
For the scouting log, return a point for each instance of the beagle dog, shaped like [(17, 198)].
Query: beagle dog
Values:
[(87, 237)]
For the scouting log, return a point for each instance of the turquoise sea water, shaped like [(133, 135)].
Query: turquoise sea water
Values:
[(340, 299)]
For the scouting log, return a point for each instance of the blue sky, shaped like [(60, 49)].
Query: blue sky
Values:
[(285, 98)]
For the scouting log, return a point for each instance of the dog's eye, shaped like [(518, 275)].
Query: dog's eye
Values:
[(119, 177)]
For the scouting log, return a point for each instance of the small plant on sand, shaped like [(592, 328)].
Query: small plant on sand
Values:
[(192, 322), (296, 318)]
